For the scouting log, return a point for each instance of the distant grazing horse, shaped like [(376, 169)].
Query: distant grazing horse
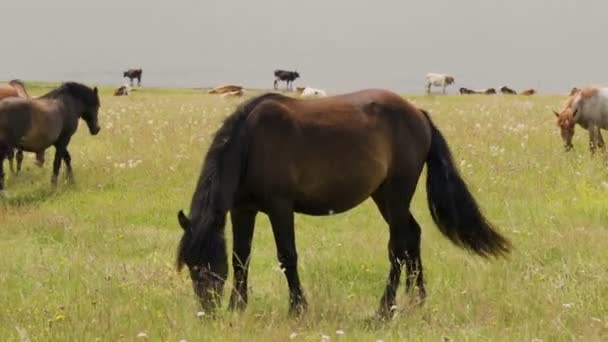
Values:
[(133, 74), (16, 88), (50, 120), (279, 155), (287, 76), (528, 92), (589, 108), (438, 80), (507, 91)]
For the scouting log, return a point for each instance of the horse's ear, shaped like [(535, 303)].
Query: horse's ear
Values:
[(556, 114), (184, 222), (95, 90)]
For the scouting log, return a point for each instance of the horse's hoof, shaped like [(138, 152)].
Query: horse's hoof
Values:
[(298, 310), (385, 314)]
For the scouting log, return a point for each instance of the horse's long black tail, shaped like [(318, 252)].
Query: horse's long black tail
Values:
[(452, 205)]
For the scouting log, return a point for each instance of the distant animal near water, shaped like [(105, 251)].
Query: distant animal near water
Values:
[(528, 92), (50, 120), (286, 76), (467, 91), (438, 80), (123, 90), (280, 156), (311, 92), (133, 74), (588, 107), (229, 88), (507, 91), (16, 88)]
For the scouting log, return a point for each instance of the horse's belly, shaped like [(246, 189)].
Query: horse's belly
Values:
[(35, 141), (327, 206)]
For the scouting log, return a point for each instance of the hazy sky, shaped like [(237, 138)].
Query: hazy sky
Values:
[(338, 45)]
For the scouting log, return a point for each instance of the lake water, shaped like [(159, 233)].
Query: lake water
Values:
[(337, 45)]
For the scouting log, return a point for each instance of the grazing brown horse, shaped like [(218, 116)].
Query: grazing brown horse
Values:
[(528, 92), (50, 120), (133, 74), (16, 88), (281, 156), (507, 91)]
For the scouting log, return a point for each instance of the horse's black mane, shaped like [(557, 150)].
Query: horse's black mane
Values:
[(207, 211), (80, 91)]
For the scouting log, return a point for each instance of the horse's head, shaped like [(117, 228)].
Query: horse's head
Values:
[(125, 74), (90, 100), (208, 274), (566, 122), (295, 75), (449, 80)]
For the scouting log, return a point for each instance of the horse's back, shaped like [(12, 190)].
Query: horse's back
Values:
[(332, 153), (592, 104)]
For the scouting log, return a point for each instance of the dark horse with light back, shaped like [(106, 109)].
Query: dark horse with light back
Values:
[(50, 120), (281, 156)]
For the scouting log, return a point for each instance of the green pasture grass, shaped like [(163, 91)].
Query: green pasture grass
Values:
[(95, 260)]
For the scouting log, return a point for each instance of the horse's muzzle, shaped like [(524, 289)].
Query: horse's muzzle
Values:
[(95, 130)]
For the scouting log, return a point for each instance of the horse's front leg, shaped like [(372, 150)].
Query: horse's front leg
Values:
[(281, 218), (67, 158), (59, 151), (10, 155), (600, 139), (3, 153), (19, 159), (243, 222), (593, 138)]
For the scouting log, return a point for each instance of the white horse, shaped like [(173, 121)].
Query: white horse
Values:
[(438, 80), (587, 107)]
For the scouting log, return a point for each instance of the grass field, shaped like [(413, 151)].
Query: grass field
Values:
[(96, 260)]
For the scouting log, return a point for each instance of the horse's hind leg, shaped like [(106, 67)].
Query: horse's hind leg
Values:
[(243, 222), (19, 159), (403, 246)]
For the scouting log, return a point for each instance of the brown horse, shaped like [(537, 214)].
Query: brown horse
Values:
[(16, 88), (281, 156), (36, 124)]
